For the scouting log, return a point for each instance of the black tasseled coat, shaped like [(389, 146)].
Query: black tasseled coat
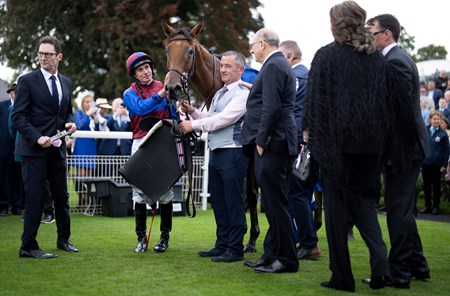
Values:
[(346, 107)]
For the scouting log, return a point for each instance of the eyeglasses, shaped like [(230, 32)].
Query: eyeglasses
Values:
[(45, 54), (253, 44), (376, 33)]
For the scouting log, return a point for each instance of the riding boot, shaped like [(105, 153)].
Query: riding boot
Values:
[(141, 226), (165, 211)]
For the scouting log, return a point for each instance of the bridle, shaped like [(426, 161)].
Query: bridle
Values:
[(184, 77), (187, 139)]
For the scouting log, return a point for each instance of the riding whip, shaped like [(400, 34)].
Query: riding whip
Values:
[(150, 230)]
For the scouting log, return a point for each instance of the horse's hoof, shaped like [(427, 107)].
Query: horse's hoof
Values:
[(250, 249)]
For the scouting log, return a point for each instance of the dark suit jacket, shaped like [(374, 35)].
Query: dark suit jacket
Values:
[(35, 115), (439, 147), (406, 70), (446, 113), (301, 74), (6, 141), (108, 146), (269, 121)]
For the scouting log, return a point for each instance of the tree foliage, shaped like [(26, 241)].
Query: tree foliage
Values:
[(430, 52), (406, 41), (98, 35)]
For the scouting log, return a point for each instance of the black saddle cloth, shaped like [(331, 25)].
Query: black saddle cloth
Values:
[(158, 163)]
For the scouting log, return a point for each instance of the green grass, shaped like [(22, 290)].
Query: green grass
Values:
[(107, 265)]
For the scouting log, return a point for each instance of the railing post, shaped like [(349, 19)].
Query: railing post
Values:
[(205, 194)]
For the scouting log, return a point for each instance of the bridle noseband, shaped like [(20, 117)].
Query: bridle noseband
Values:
[(184, 77)]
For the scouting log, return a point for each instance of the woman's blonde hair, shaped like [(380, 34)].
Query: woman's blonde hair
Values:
[(348, 25)]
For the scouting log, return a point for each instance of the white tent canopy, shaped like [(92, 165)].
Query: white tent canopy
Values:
[(428, 68)]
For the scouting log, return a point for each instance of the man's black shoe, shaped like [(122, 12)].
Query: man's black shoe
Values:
[(421, 274), (16, 212), (258, 263), (275, 267), (163, 243), (48, 219), (310, 254), (399, 283), (4, 212), (37, 254), (214, 252), (425, 210), (141, 245), (66, 246), (228, 257), (377, 283), (161, 246), (329, 285)]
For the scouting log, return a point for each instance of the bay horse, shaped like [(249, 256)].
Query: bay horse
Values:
[(188, 60)]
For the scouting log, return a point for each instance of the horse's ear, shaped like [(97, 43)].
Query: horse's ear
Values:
[(196, 29), (168, 30)]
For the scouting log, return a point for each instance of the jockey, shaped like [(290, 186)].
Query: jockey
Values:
[(146, 97)]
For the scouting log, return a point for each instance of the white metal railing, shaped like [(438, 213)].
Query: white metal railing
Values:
[(105, 167)]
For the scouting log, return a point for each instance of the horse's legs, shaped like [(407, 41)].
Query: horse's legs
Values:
[(252, 201), (318, 210)]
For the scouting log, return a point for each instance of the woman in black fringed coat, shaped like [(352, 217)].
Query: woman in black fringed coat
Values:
[(345, 121)]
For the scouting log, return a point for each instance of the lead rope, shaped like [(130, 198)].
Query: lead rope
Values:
[(185, 158)]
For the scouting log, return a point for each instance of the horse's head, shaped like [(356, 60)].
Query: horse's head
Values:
[(181, 57)]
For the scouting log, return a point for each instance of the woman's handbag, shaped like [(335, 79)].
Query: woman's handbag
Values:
[(304, 166)]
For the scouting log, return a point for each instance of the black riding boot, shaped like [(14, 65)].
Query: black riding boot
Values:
[(165, 211), (141, 226)]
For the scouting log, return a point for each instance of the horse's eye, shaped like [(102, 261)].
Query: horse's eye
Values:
[(167, 51), (191, 51)]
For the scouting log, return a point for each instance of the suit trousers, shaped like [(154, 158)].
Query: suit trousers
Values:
[(406, 253), (271, 170), (431, 184), (227, 170), (6, 182), (36, 171), (299, 202), (355, 199)]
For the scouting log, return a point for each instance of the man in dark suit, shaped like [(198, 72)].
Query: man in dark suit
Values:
[(42, 109), (269, 135), (6, 158), (406, 258), (299, 193)]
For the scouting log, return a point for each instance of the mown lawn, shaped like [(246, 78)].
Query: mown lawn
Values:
[(107, 265)]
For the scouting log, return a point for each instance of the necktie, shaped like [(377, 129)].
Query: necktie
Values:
[(222, 91), (433, 130), (55, 91)]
